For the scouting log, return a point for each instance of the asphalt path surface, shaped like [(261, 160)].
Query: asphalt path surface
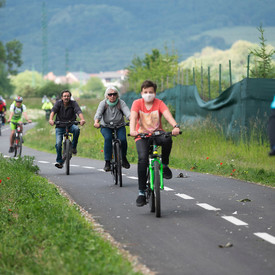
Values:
[(209, 224)]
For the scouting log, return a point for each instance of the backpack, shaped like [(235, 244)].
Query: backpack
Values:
[(17, 107)]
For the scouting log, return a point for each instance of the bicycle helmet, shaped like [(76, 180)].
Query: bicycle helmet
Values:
[(19, 99), (1, 98)]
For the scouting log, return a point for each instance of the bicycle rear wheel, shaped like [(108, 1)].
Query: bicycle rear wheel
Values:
[(67, 147), (118, 160), (113, 165), (157, 188)]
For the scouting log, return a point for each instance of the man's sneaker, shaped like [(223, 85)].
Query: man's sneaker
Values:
[(59, 165), (74, 151), (107, 166), (167, 173), (125, 163), (141, 201), (11, 150)]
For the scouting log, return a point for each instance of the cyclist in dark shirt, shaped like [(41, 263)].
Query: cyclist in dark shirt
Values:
[(65, 110)]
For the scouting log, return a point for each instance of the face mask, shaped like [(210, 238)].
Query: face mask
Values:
[(148, 97)]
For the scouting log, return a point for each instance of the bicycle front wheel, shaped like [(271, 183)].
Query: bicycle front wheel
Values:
[(157, 188), (20, 145), (67, 147), (15, 146), (118, 161)]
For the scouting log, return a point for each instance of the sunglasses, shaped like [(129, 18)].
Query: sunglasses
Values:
[(112, 94)]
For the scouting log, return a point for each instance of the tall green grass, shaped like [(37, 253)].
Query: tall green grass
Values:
[(41, 232), (202, 147)]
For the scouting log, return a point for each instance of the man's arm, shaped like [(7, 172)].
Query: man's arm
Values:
[(82, 120), (26, 117), (51, 119), (11, 115)]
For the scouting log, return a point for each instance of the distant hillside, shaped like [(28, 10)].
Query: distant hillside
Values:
[(104, 35), (212, 57)]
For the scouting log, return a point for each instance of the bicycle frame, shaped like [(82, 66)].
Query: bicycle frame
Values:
[(116, 162), (17, 138), (67, 143), (152, 158)]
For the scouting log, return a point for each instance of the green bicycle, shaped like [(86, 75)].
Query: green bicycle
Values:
[(154, 173)]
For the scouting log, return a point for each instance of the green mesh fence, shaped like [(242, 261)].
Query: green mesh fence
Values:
[(243, 107)]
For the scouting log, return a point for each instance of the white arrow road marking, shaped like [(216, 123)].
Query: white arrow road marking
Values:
[(42, 161), (265, 236), (74, 165), (88, 167), (234, 220), (208, 207), (184, 196)]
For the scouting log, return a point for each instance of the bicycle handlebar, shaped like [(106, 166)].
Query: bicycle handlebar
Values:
[(154, 134), (21, 123), (112, 126), (67, 122)]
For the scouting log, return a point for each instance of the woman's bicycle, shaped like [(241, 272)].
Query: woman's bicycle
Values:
[(18, 138), (116, 161), (154, 172), (67, 143)]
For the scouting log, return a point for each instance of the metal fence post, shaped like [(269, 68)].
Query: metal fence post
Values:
[(220, 78), (202, 81), (209, 94), (230, 73), (248, 60)]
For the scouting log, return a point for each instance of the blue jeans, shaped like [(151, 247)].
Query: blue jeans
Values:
[(59, 132), (107, 134)]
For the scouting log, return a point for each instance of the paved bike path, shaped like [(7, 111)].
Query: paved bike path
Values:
[(204, 228)]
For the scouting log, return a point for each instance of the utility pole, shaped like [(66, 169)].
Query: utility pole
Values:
[(44, 40)]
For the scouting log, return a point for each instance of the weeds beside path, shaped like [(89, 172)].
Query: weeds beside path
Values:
[(41, 232)]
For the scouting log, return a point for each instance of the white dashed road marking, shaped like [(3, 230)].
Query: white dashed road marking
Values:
[(184, 196), (133, 178), (208, 207), (265, 236), (234, 220), (168, 189)]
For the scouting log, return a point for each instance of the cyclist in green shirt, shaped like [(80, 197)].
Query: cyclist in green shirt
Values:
[(16, 111)]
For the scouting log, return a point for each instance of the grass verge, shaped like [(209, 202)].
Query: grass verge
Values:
[(202, 148), (41, 232)]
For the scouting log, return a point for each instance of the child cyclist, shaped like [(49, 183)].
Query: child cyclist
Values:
[(146, 114)]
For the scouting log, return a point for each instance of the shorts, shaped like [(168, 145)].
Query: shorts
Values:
[(12, 125)]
